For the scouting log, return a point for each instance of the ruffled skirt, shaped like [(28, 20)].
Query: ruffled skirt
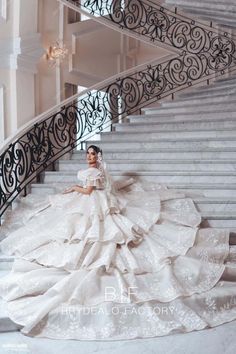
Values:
[(116, 266)]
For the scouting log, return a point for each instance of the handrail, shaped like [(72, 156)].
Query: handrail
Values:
[(57, 131), (151, 22), (97, 87), (50, 136)]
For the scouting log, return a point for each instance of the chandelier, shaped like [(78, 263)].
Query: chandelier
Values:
[(56, 53)]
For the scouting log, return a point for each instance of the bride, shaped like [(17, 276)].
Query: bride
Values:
[(109, 260)]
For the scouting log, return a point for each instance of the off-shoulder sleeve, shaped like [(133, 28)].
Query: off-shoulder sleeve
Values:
[(91, 178)]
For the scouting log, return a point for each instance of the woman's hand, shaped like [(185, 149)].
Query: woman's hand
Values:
[(70, 189), (79, 189)]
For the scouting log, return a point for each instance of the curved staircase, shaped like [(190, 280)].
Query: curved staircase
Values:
[(188, 144)]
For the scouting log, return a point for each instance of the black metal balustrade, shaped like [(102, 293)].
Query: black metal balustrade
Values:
[(158, 25)]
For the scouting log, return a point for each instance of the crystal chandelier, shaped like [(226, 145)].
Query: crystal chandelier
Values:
[(56, 53)]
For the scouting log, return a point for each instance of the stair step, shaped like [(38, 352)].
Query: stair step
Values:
[(221, 107), (158, 165), (175, 126), (223, 94), (219, 219), (213, 99), (210, 91), (213, 15), (221, 5), (227, 13), (165, 154), (162, 177), (200, 143), (212, 11), (148, 135), (179, 117), (205, 189), (223, 80), (216, 204)]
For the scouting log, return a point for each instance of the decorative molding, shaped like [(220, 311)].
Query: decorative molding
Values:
[(21, 53), (3, 10), (72, 70), (2, 115), (85, 75), (87, 27)]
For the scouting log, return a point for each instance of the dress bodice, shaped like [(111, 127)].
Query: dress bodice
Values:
[(91, 176)]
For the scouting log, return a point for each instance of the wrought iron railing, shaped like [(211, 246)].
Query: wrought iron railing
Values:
[(149, 21), (202, 48), (203, 54)]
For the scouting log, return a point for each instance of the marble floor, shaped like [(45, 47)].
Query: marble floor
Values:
[(217, 340)]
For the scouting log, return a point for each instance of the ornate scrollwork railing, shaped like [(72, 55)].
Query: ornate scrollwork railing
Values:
[(201, 49), (202, 55), (150, 21), (59, 131)]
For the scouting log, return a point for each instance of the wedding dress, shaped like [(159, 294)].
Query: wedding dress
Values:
[(127, 261)]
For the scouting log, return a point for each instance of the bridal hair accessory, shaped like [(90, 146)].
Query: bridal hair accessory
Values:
[(110, 185), (102, 166), (99, 156), (101, 162)]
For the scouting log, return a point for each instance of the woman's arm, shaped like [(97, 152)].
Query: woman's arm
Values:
[(88, 190)]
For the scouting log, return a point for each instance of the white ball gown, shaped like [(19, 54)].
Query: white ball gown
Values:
[(121, 263)]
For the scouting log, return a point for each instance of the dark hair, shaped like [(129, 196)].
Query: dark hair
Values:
[(95, 148)]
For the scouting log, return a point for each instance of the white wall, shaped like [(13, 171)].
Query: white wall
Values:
[(20, 49), (46, 77), (2, 113), (4, 103)]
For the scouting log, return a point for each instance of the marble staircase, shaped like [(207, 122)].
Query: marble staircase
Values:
[(188, 144), (222, 12)]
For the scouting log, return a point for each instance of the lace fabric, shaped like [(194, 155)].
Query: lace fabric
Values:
[(92, 177), (127, 261)]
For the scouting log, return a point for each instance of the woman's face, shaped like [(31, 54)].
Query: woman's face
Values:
[(91, 156)]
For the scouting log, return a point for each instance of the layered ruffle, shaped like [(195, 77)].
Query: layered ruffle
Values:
[(144, 245), (33, 291), (77, 230)]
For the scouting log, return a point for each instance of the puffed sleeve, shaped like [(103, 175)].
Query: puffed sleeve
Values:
[(91, 177)]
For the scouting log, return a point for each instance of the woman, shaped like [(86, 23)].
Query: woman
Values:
[(115, 260)]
